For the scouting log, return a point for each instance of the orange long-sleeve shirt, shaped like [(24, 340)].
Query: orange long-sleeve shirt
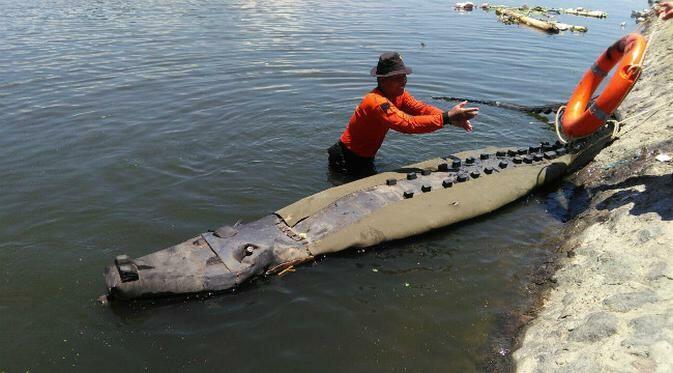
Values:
[(376, 114)]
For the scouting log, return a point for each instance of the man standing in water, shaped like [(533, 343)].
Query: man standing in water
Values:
[(389, 106)]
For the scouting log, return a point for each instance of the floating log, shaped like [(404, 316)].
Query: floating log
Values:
[(572, 28), (516, 17), (539, 9), (584, 12)]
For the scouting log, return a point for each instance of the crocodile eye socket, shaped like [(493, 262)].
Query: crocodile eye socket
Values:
[(245, 250), (249, 249)]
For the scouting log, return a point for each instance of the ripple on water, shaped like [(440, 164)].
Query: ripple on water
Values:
[(131, 126)]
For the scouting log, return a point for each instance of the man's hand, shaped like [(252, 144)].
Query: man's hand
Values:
[(665, 10), (460, 116)]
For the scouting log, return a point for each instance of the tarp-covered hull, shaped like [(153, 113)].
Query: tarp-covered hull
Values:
[(366, 212)]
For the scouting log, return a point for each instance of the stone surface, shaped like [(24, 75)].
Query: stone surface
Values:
[(598, 326), (628, 301), (612, 306)]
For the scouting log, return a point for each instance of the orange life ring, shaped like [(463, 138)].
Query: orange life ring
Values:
[(578, 120)]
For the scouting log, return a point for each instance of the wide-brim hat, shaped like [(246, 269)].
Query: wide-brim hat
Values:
[(390, 63)]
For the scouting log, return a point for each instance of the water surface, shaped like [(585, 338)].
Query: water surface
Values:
[(130, 126)]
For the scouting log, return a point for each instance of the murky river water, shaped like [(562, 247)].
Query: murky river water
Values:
[(129, 126)]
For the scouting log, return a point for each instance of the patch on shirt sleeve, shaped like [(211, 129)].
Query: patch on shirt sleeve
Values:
[(385, 106)]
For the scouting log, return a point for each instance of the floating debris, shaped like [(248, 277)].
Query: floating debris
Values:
[(572, 28), (510, 16), (289, 269), (639, 13), (579, 11), (468, 6), (540, 9), (522, 15)]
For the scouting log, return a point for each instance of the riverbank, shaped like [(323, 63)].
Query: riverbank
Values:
[(610, 306)]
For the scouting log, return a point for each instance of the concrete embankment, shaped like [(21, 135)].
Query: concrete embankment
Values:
[(611, 305)]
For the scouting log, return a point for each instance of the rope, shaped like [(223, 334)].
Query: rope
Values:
[(655, 31), (617, 127), (557, 126), (617, 124), (652, 110), (546, 109), (647, 47)]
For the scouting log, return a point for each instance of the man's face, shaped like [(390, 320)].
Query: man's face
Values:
[(393, 86)]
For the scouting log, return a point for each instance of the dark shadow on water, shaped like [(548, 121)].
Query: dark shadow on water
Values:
[(144, 309), (565, 200), (336, 177)]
